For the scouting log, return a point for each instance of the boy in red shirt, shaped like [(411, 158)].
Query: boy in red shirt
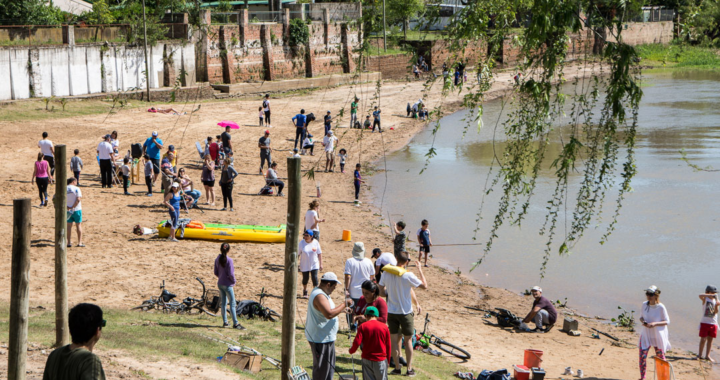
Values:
[(374, 337)]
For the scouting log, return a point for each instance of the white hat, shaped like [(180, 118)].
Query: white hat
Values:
[(154, 133), (330, 133), (175, 184), (652, 289), (330, 277), (537, 288)]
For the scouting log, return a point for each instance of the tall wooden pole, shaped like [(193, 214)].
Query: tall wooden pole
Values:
[(292, 232), (62, 334), (385, 30), (19, 289), (145, 49)]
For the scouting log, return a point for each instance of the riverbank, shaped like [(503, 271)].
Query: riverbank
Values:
[(118, 270), (679, 57)]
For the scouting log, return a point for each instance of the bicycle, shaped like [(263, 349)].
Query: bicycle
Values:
[(426, 340), (208, 301), (164, 302), (252, 309)]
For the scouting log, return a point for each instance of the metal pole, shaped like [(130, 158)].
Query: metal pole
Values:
[(62, 332), (292, 234), (384, 28), (19, 289), (147, 69)]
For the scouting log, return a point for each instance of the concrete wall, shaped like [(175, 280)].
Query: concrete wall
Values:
[(88, 69), (639, 33)]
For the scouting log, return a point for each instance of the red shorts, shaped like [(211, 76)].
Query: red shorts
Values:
[(708, 330)]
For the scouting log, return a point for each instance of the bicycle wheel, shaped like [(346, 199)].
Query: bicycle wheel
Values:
[(145, 306), (450, 348), (273, 313)]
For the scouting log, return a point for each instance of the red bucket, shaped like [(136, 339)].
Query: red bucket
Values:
[(533, 358)]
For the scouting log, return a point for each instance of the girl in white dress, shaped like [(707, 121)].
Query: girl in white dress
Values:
[(654, 332)]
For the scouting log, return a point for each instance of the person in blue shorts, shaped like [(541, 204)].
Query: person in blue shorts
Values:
[(152, 147), (74, 211)]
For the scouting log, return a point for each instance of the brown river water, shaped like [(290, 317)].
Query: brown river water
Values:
[(667, 233)]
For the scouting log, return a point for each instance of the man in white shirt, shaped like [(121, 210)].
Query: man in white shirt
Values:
[(358, 269), (398, 290), (105, 154), (382, 259), (48, 150), (74, 211), (329, 142)]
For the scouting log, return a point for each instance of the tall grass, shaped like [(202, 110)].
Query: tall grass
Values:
[(680, 56)]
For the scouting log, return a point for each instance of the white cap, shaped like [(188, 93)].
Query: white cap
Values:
[(154, 133), (652, 289), (537, 288), (175, 184), (330, 276)]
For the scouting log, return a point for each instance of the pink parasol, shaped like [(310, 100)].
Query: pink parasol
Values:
[(231, 124)]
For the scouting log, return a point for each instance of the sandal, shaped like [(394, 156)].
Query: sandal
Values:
[(81, 245)]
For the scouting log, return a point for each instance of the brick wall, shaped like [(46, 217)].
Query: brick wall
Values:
[(391, 66), (251, 52)]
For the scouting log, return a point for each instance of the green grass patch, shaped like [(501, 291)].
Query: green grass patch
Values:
[(35, 109), (416, 35), (150, 336), (679, 56)]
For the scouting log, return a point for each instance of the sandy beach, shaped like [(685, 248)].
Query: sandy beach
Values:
[(118, 269)]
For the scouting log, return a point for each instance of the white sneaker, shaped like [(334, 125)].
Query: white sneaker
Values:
[(568, 371), (580, 373)]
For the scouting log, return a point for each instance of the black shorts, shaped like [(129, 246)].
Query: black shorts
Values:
[(425, 248), (156, 165), (209, 183)]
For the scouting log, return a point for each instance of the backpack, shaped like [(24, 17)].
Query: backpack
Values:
[(136, 150), (266, 190)]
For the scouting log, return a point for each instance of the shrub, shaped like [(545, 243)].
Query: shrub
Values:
[(299, 33)]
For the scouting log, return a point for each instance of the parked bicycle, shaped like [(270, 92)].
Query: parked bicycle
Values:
[(252, 309), (426, 340), (208, 303)]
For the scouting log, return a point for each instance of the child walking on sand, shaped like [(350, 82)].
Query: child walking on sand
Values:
[(148, 174), (708, 322), (343, 156), (261, 115), (400, 237), (423, 235), (125, 175), (76, 166), (357, 181)]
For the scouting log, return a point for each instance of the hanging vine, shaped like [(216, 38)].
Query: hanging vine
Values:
[(599, 147)]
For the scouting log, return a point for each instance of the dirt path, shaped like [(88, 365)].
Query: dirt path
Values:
[(119, 269)]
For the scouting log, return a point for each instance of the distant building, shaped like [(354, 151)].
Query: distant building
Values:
[(76, 7)]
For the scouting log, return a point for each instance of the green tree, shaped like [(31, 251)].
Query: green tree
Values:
[(403, 11), (224, 6), (100, 13), (29, 12), (299, 33)]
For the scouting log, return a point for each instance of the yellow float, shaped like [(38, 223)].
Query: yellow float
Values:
[(227, 232)]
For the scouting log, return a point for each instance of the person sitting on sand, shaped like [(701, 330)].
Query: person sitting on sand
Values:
[(543, 312), (308, 144), (163, 110), (271, 179)]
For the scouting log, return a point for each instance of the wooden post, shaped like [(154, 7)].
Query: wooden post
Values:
[(19, 289), (292, 232), (62, 334), (145, 50)]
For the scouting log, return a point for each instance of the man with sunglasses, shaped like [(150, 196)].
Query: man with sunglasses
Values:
[(76, 360), (543, 312)]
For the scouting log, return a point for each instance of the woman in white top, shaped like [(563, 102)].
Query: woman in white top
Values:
[(310, 260), (654, 319), (312, 219)]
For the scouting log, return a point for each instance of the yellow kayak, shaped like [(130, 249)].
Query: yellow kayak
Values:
[(223, 232)]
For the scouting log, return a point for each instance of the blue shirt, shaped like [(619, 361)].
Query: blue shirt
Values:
[(424, 236), (175, 202), (376, 114), (301, 120), (357, 176), (152, 149)]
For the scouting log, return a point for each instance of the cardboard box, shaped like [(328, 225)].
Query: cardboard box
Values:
[(243, 361)]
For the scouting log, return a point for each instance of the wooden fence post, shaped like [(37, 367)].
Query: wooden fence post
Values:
[(62, 332), (292, 233), (19, 289)]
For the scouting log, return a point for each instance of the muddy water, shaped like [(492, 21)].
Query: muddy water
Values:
[(668, 228)]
